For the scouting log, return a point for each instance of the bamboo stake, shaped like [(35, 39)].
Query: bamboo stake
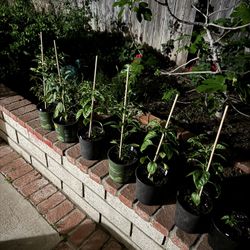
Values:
[(42, 59), (166, 125), (59, 75), (124, 113), (215, 143), (57, 62), (93, 98)]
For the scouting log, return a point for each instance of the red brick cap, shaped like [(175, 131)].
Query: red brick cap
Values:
[(99, 171), (127, 195)]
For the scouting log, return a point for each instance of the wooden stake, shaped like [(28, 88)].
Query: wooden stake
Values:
[(215, 143), (93, 99), (42, 59), (57, 62), (124, 113), (166, 126)]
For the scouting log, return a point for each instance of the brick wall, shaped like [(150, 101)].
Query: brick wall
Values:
[(88, 185)]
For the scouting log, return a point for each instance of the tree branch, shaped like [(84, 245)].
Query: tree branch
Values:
[(200, 12), (213, 49), (189, 73), (218, 11), (239, 111), (177, 18), (228, 28), (181, 66)]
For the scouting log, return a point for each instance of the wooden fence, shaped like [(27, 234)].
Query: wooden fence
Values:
[(156, 32)]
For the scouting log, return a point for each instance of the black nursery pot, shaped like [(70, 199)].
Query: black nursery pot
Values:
[(66, 132), (192, 220), (148, 192), (222, 237), (92, 148), (45, 117), (122, 172)]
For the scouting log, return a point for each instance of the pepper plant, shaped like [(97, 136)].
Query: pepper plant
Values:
[(199, 155), (168, 149)]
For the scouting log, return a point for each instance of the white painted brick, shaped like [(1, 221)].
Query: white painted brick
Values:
[(32, 149), (105, 209), (45, 172), (143, 241), (130, 214), (16, 125), (126, 240), (19, 150), (171, 246), (44, 147), (74, 170), (81, 203), (8, 130), (65, 176)]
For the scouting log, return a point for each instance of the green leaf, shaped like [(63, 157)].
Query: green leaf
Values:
[(145, 144), (212, 85), (151, 167), (143, 159), (78, 114), (151, 134), (242, 11), (195, 198), (162, 155), (202, 180), (168, 150), (147, 14), (147, 140), (220, 146)]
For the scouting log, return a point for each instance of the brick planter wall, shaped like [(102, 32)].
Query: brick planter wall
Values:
[(88, 185)]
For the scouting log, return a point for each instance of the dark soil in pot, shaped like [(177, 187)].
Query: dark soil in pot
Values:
[(45, 116), (191, 218), (66, 132), (92, 148), (233, 234), (152, 192), (122, 171)]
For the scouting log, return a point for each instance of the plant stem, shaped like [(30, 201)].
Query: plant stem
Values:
[(166, 125), (93, 98), (124, 113), (42, 59), (215, 143)]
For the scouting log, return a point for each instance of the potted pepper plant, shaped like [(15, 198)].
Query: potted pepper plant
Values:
[(195, 202), (44, 79), (66, 96), (123, 156), (152, 176), (91, 135), (230, 229)]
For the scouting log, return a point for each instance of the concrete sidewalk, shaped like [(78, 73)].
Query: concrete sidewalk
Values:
[(35, 215), (21, 225)]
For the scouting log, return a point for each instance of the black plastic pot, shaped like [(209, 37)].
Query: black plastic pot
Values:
[(147, 192), (122, 172), (191, 221), (92, 148), (66, 132), (45, 117), (222, 237)]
